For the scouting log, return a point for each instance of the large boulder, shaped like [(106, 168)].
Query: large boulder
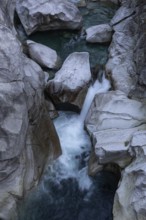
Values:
[(43, 55), (99, 33), (71, 82), (44, 15), (27, 135), (130, 198), (111, 122)]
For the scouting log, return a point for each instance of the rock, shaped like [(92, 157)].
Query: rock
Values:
[(111, 122), (121, 67), (121, 14), (43, 55), (99, 33), (71, 82), (130, 198), (114, 110), (44, 15), (113, 1), (28, 137)]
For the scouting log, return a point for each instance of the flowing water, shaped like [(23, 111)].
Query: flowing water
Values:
[(66, 192)]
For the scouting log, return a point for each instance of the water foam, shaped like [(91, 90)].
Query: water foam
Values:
[(75, 142)]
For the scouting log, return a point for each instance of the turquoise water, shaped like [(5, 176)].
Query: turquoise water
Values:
[(66, 42)]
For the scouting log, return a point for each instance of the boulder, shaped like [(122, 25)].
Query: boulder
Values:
[(130, 198), (114, 110), (99, 33), (43, 55), (71, 82), (44, 15), (111, 121)]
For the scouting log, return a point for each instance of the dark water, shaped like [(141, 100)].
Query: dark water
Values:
[(65, 201), (66, 42), (66, 192)]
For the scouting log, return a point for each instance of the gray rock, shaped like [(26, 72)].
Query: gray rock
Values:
[(27, 135), (130, 198), (121, 65), (71, 81), (121, 14), (47, 15), (99, 33), (111, 122), (43, 55), (114, 110)]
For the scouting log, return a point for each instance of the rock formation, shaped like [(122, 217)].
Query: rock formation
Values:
[(47, 15), (116, 120), (70, 83), (27, 134), (115, 140), (99, 33)]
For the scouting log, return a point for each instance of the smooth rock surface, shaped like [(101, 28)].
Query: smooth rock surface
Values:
[(99, 33), (27, 135), (121, 14), (111, 122), (71, 81), (44, 15), (130, 199), (121, 66), (43, 55), (115, 110)]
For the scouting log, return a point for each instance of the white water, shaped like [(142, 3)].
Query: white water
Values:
[(92, 91), (75, 142)]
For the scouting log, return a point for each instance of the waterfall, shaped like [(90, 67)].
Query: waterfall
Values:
[(94, 89), (75, 142)]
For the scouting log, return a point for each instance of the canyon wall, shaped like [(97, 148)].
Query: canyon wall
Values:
[(28, 137)]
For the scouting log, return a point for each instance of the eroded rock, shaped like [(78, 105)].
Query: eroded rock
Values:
[(71, 81), (121, 65), (130, 199), (111, 122), (99, 33), (28, 137), (44, 15), (43, 55)]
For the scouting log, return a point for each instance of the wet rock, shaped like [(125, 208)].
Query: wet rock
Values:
[(111, 122), (99, 33), (41, 15), (43, 55), (71, 81), (130, 198)]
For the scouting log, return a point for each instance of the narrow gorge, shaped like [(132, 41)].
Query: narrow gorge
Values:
[(72, 110)]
